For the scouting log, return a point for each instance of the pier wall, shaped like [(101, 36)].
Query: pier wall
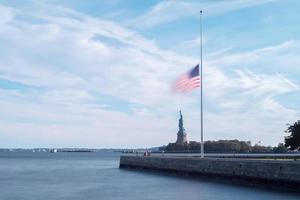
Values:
[(277, 173)]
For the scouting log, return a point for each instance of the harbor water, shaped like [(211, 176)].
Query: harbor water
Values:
[(78, 175)]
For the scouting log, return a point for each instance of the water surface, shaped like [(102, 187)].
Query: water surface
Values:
[(84, 176)]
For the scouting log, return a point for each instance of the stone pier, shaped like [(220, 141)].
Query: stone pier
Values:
[(281, 174)]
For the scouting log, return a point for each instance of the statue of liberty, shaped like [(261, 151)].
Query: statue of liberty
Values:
[(181, 135)]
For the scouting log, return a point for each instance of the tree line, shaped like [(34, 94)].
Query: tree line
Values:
[(224, 146), (291, 143)]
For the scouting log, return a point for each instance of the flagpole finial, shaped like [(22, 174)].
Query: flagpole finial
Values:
[(201, 11)]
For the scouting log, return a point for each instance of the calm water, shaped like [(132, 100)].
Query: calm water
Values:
[(86, 176)]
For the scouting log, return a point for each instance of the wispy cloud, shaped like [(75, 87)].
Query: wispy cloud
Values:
[(74, 73), (195, 42), (167, 11), (77, 66)]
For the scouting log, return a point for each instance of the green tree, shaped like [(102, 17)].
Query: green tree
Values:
[(280, 148), (292, 142)]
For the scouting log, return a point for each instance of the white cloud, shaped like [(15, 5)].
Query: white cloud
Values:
[(192, 43), (267, 85), (6, 15), (167, 11), (76, 66), (277, 58), (71, 71), (245, 102)]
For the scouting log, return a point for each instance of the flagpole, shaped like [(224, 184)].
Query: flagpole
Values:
[(201, 88)]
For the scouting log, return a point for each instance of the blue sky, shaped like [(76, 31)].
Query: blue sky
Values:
[(98, 73)]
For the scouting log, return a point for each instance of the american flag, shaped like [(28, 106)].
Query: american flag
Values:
[(188, 81)]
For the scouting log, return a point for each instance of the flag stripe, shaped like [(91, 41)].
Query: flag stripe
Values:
[(188, 81)]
